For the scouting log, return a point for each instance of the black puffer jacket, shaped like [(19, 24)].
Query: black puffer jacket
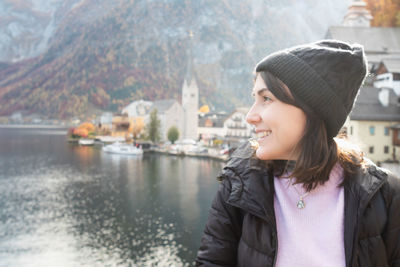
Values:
[(241, 228)]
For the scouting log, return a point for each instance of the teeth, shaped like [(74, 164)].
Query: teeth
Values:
[(263, 134)]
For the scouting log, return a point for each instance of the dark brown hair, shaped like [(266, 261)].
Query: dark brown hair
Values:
[(317, 152)]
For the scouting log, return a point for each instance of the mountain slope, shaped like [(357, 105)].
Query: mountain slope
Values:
[(108, 53)]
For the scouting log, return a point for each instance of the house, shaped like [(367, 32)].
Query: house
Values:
[(236, 126), (16, 117), (388, 75), (105, 122), (120, 126), (211, 125), (137, 112), (374, 122), (232, 128)]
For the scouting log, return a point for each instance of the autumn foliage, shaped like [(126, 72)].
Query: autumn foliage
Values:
[(386, 13), (83, 130), (204, 109)]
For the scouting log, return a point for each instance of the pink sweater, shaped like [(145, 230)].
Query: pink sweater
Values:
[(312, 236)]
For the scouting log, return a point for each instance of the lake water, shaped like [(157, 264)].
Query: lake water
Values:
[(66, 205)]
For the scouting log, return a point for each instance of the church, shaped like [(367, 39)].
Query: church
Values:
[(183, 115)]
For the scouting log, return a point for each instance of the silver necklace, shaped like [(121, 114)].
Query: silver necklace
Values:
[(300, 204)]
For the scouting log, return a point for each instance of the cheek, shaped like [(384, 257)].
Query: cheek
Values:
[(297, 124), (292, 124)]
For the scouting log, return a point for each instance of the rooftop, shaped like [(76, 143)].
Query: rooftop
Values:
[(163, 105), (376, 40), (368, 107), (392, 64)]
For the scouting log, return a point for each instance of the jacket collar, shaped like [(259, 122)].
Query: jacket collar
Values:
[(252, 186)]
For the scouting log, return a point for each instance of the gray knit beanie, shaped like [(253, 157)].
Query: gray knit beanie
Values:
[(325, 75)]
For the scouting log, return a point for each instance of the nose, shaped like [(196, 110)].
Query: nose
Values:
[(253, 116)]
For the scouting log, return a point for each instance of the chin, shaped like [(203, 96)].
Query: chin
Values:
[(263, 154)]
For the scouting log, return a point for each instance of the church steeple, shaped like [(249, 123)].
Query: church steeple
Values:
[(190, 98), (189, 68), (357, 15)]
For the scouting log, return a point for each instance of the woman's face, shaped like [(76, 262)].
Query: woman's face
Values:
[(279, 126)]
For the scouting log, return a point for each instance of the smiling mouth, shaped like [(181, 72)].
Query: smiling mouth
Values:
[(263, 134)]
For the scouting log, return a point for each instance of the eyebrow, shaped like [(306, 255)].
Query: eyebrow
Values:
[(260, 92)]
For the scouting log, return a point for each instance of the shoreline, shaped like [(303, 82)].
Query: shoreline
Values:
[(214, 156), (223, 158), (33, 126)]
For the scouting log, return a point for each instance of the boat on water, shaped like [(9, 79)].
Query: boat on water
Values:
[(123, 149), (86, 142)]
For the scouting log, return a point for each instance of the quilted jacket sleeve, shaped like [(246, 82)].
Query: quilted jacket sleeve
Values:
[(392, 231), (222, 231)]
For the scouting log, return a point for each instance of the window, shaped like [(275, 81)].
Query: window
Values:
[(386, 149), (386, 131), (371, 150), (372, 130)]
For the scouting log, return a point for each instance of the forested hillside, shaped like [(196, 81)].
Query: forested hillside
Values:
[(104, 54)]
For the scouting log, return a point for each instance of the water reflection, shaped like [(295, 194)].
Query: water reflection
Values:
[(63, 205)]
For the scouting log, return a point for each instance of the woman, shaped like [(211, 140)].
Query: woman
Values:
[(303, 199)]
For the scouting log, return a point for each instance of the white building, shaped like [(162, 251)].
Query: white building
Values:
[(211, 125), (106, 118), (190, 105), (190, 102), (170, 113), (357, 15), (232, 128), (16, 117), (372, 123), (388, 75), (138, 108), (105, 121), (236, 125)]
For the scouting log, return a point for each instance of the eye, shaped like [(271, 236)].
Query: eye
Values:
[(267, 99)]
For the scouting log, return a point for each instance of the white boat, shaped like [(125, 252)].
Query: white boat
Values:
[(124, 149), (86, 142)]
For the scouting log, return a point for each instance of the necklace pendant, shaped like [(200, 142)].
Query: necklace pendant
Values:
[(301, 204)]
